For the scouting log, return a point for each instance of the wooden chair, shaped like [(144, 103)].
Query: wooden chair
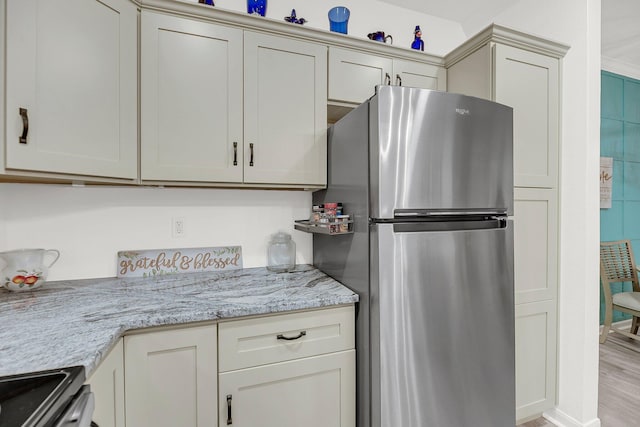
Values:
[(617, 264)]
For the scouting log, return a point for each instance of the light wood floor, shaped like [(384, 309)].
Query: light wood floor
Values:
[(619, 384)]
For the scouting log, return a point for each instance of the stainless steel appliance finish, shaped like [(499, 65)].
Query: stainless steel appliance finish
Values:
[(427, 177), (79, 411), (53, 398), (436, 151)]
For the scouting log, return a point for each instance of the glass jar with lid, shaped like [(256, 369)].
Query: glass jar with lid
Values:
[(281, 253)]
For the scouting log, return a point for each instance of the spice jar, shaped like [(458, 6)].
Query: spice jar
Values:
[(330, 209), (343, 221), (281, 253), (316, 213)]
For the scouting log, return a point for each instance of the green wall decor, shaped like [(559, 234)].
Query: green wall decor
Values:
[(620, 139)]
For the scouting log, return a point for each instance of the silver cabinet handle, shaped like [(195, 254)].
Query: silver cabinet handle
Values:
[(398, 80), (235, 154), (251, 158)]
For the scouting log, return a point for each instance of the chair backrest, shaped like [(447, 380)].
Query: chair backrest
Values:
[(617, 264)]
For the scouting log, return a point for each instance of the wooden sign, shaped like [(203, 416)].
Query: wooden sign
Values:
[(149, 263)]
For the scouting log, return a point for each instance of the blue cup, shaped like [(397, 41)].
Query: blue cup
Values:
[(338, 19), (257, 7)]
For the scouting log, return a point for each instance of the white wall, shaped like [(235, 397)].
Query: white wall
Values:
[(89, 225), (577, 23), (440, 35)]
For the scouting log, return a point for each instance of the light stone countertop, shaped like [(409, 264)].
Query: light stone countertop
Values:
[(68, 323)]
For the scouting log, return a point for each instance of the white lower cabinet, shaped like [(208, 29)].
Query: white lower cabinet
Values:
[(312, 392), (107, 385), (535, 357), (285, 370), (171, 377), (288, 370)]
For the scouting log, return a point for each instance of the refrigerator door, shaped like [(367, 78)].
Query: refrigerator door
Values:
[(442, 326), (434, 151)]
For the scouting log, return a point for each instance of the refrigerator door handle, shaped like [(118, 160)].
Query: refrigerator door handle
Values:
[(417, 227), (410, 213)]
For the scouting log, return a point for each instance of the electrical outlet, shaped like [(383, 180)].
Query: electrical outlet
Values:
[(178, 227)]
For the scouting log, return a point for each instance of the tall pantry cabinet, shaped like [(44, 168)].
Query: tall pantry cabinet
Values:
[(523, 72)]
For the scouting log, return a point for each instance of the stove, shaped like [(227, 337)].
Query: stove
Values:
[(52, 398)]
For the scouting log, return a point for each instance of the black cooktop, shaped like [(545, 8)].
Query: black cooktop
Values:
[(36, 399)]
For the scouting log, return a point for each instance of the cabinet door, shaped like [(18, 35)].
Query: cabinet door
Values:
[(472, 75), (72, 65), (535, 357), (312, 392), (107, 385), (528, 82), (285, 111), (417, 74), (170, 378), (535, 244), (191, 100), (353, 76)]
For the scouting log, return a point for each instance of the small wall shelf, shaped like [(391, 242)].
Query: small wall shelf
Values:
[(331, 228)]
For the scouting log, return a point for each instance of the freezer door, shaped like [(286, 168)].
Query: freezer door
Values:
[(436, 150), (442, 326)]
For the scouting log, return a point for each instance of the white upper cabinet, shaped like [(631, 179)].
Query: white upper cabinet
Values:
[(528, 82), (418, 74), (191, 100), (285, 111), (71, 87), (223, 105), (522, 72), (354, 75)]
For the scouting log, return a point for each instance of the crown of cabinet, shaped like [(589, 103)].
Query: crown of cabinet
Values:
[(495, 33)]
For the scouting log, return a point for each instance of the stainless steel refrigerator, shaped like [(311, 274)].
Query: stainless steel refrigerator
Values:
[(428, 179)]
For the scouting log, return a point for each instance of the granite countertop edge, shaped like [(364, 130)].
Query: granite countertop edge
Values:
[(77, 322)]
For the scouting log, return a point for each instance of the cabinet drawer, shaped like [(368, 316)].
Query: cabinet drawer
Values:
[(253, 342)]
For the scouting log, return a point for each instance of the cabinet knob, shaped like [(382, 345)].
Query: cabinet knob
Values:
[(25, 125)]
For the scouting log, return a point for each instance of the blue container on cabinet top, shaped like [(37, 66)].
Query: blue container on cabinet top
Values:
[(338, 19), (257, 7)]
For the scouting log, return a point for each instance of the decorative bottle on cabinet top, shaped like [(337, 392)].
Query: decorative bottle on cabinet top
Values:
[(418, 43), (281, 254)]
